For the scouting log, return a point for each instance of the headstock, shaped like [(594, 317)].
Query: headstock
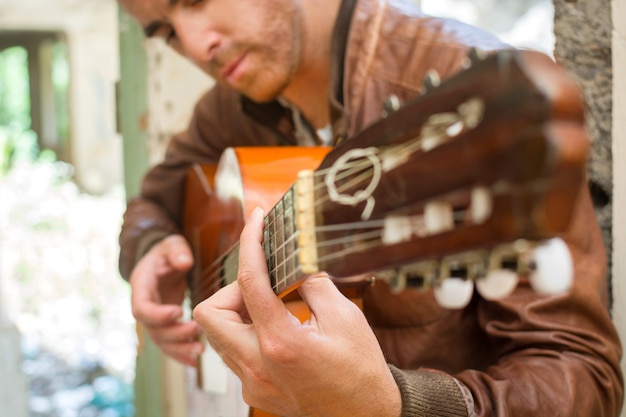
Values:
[(475, 178)]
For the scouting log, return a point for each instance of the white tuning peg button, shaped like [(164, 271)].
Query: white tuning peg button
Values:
[(454, 293), (497, 284), (554, 268), (438, 216)]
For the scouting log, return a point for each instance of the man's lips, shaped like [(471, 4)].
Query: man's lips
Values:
[(229, 72)]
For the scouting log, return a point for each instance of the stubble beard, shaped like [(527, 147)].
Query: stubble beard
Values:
[(273, 63)]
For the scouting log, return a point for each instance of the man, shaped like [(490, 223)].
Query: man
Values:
[(311, 72)]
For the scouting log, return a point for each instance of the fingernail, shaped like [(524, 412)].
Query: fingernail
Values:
[(258, 211), (183, 257)]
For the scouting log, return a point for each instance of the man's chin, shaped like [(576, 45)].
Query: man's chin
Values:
[(258, 90), (261, 96), (262, 90)]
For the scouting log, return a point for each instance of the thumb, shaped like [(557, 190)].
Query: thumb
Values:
[(177, 252), (324, 298)]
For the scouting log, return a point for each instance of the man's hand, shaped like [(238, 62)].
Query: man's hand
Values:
[(331, 365), (158, 288)]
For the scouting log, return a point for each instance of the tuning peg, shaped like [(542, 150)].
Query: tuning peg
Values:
[(438, 216), (431, 80), (420, 275), (500, 281), (481, 204), (497, 284), (454, 293), (391, 105), (553, 268), (398, 281), (473, 56)]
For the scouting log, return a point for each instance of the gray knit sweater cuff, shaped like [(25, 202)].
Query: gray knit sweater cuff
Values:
[(429, 393)]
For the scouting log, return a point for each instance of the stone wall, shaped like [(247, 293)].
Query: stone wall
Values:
[(583, 32)]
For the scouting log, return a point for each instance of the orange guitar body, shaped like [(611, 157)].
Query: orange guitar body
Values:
[(220, 199), (215, 217)]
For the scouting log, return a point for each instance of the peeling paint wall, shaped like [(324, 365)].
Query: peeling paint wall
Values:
[(174, 86)]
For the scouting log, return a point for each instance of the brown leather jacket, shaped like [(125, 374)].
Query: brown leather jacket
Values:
[(521, 356)]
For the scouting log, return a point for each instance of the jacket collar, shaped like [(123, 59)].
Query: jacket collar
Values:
[(277, 117)]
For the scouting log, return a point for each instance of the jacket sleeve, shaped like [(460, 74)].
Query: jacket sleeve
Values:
[(557, 355), (217, 122)]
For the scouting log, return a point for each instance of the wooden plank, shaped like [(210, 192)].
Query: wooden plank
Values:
[(133, 124), (133, 103)]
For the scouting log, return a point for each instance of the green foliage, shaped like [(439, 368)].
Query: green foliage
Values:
[(14, 89), (17, 141), (61, 81)]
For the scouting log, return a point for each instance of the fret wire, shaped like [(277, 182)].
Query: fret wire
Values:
[(289, 253), (292, 275), (214, 284), (272, 245), (291, 256), (346, 226), (361, 245), (278, 290), (369, 237), (278, 244), (266, 242), (290, 219), (373, 234), (217, 263), (270, 218)]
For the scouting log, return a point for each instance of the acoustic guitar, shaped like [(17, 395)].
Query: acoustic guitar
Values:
[(467, 186)]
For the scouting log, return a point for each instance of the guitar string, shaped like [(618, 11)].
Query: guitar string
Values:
[(319, 229), (209, 281), (366, 240), (321, 201), (210, 274), (363, 165), (397, 153)]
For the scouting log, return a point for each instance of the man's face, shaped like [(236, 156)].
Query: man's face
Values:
[(252, 45)]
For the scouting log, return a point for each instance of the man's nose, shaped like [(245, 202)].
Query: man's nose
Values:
[(206, 47), (199, 42)]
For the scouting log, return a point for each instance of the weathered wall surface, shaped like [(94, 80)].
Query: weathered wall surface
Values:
[(619, 170), (174, 86), (583, 32)]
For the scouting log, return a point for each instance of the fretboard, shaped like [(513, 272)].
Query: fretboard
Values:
[(280, 244)]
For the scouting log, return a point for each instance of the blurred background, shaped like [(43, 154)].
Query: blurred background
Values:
[(68, 342), (66, 331)]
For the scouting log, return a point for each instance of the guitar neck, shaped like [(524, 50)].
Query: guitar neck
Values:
[(281, 243)]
